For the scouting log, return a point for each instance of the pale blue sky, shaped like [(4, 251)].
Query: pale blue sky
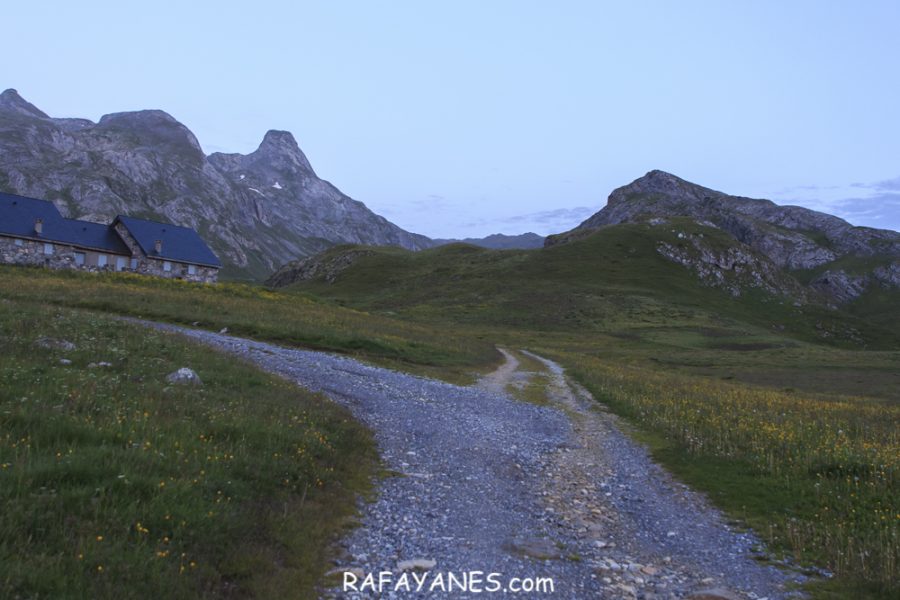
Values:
[(465, 118)]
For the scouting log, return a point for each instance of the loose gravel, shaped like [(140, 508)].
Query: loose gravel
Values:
[(483, 482)]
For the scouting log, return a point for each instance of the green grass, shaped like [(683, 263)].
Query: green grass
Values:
[(815, 475), (115, 484), (531, 385), (742, 397), (611, 282), (745, 397), (253, 311)]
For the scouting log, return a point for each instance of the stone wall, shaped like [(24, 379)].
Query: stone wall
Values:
[(129, 241), (156, 267), (31, 253)]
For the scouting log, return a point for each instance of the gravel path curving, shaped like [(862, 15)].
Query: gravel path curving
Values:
[(488, 483)]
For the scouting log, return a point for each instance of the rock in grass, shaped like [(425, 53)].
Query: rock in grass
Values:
[(540, 549), (49, 343), (416, 564), (339, 571), (184, 375), (100, 364)]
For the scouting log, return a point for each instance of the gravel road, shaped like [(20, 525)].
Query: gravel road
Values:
[(486, 483)]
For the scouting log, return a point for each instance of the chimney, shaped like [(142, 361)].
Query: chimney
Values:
[(157, 245), (39, 226)]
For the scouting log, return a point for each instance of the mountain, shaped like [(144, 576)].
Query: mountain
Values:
[(257, 211), (611, 281), (662, 254), (834, 258), (499, 241)]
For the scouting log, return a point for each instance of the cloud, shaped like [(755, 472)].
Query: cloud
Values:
[(552, 221), (880, 210), (874, 204), (889, 185), (429, 204)]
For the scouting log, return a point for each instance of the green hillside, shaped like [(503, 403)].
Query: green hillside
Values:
[(611, 282), (785, 414)]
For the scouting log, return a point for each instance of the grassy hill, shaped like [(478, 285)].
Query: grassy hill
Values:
[(613, 282), (786, 415)]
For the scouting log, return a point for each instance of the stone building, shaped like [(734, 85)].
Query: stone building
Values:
[(33, 232)]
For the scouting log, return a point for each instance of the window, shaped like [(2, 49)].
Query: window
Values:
[(48, 248), (101, 260), (167, 266), (192, 270), (120, 263), (134, 264), (79, 258), (19, 242)]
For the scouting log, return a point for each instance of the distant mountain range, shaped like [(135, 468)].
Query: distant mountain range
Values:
[(268, 210), (256, 211), (739, 245), (499, 241)]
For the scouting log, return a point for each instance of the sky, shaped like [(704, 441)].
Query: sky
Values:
[(464, 118)]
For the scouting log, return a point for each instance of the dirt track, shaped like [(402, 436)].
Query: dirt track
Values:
[(484, 482)]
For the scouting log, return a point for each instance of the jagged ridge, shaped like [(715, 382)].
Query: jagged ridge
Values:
[(257, 211)]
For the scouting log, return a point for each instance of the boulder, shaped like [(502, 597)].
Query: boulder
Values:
[(416, 564), (184, 375)]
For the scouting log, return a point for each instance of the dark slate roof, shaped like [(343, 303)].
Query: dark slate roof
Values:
[(181, 244), (18, 213), (94, 235)]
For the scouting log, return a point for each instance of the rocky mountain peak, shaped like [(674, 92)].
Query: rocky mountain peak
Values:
[(140, 118), (280, 149), (11, 101), (153, 127), (277, 138), (658, 183), (257, 211), (792, 238)]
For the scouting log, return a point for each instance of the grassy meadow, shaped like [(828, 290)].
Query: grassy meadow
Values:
[(255, 312), (786, 416), (116, 484), (815, 475)]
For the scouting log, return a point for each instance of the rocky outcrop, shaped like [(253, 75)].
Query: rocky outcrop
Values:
[(888, 275), (256, 211), (733, 268), (840, 285), (791, 238), (844, 286), (326, 266)]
